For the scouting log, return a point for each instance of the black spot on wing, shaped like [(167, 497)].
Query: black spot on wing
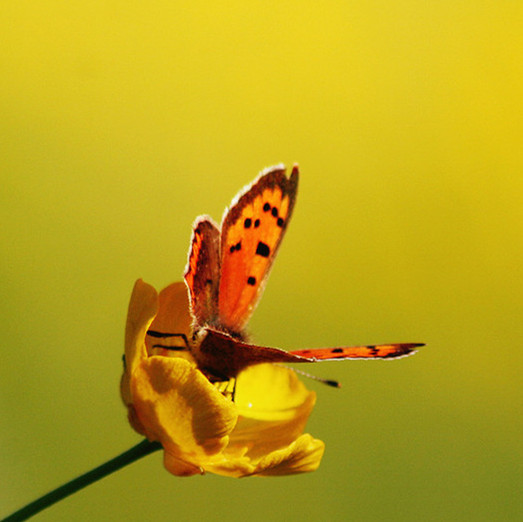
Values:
[(373, 350), (263, 249), (236, 247), (266, 207), (247, 223), (337, 350), (274, 211), (251, 281), (280, 222)]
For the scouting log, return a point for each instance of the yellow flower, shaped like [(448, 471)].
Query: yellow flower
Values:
[(169, 400)]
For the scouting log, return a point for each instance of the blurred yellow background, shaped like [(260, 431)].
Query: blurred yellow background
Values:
[(122, 121)]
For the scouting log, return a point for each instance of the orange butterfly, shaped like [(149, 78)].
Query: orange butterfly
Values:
[(226, 273)]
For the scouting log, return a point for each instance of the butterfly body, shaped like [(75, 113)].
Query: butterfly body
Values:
[(226, 272)]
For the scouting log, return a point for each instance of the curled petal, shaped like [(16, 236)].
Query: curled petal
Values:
[(173, 318), (274, 406), (181, 409), (173, 310), (301, 456), (179, 467), (143, 307), (270, 392)]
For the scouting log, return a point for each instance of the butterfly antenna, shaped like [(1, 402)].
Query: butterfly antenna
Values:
[(328, 382)]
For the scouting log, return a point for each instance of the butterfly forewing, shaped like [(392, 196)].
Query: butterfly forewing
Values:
[(202, 273), (223, 356), (252, 230)]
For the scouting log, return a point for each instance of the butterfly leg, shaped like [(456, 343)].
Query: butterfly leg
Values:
[(227, 388), (166, 336), (233, 394)]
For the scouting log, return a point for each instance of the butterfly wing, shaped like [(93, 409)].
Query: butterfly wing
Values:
[(202, 273), (378, 351), (223, 356), (252, 230)]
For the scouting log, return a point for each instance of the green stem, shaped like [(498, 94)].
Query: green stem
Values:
[(136, 452)]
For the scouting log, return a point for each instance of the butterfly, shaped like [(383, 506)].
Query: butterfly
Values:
[(227, 268)]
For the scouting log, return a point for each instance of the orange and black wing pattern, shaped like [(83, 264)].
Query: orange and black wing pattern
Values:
[(202, 273), (251, 233), (371, 351)]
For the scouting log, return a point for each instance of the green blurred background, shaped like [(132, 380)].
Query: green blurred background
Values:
[(122, 121)]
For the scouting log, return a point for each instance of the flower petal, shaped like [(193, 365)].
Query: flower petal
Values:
[(143, 306), (173, 317), (274, 407), (302, 456), (270, 392), (179, 467), (267, 440), (180, 408)]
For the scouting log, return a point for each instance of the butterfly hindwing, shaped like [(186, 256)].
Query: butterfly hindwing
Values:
[(252, 230), (378, 351), (223, 356), (202, 273)]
